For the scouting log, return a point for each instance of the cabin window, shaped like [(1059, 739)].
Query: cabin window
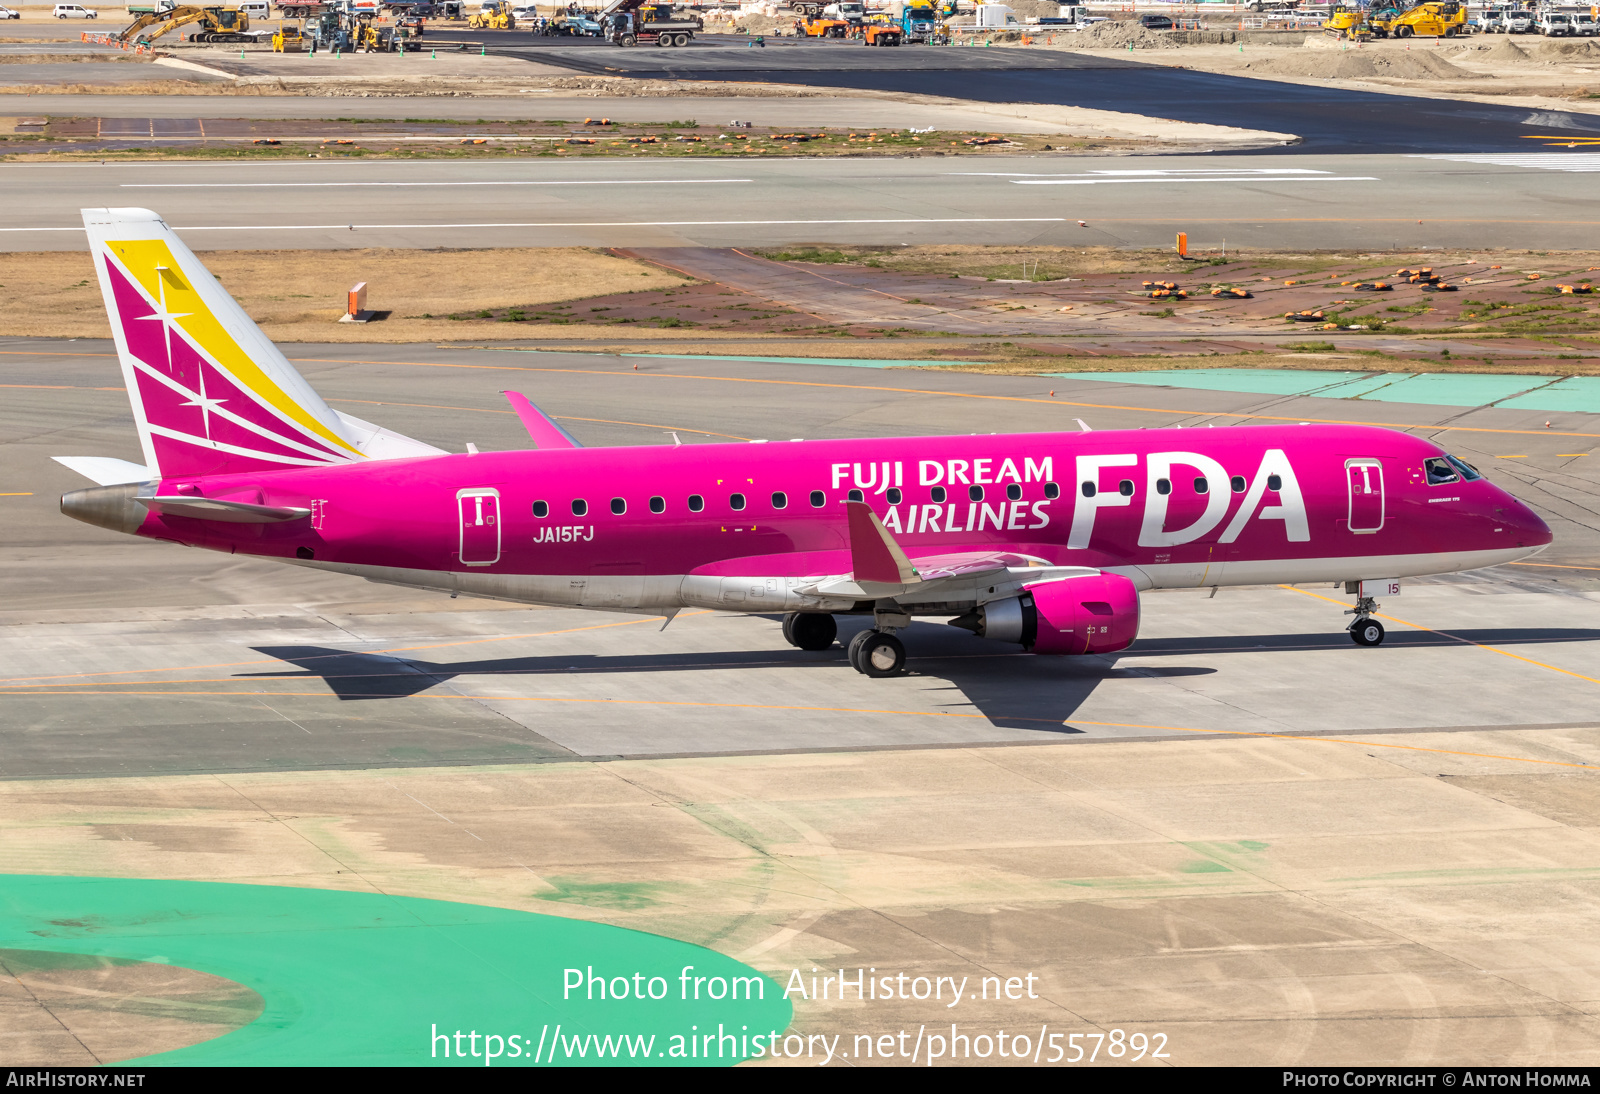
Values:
[(1014, 491), (541, 509), (579, 507), (1274, 482), (1125, 488), (937, 494), (696, 503), (1202, 485), (975, 493), (894, 495), (658, 505), (818, 499), (1052, 491), (1090, 489), (854, 495), (780, 500), (736, 502), (1163, 487), (618, 506), (1236, 484), (1439, 471)]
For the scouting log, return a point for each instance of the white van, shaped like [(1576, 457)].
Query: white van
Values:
[(73, 11)]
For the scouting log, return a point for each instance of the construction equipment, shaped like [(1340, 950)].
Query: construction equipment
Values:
[(1347, 24), (882, 34), (822, 27), (218, 25), (1433, 19), (919, 21), (635, 23), (288, 39), (497, 17)]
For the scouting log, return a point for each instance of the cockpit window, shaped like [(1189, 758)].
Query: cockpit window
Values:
[(1440, 471), (1468, 472)]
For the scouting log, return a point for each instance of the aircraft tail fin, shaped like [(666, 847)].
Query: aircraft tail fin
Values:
[(211, 394)]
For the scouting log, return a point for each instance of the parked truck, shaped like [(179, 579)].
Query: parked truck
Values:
[(635, 23)]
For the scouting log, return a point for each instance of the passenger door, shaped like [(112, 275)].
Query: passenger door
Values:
[(478, 512), (1365, 478)]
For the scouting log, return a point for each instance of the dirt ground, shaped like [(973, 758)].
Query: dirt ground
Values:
[(1085, 308), (1562, 73), (299, 295)]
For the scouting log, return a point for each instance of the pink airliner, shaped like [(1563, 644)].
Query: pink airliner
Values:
[(1040, 539)]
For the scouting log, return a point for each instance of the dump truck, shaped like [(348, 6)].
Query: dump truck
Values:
[(216, 25), (635, 23)]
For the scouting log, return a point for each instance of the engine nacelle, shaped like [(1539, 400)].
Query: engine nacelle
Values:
[(1096, 613)]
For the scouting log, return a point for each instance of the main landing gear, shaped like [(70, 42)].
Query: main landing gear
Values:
[(810, 630), (876, 653)]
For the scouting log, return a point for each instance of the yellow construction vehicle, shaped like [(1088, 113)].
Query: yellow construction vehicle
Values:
[(823, 27), (1434, 19), (217, 25), (498, 17), (288, 39), (1347, 24)]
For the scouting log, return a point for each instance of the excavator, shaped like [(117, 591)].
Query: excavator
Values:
[(217, 25), (1433, 19), (498, 17)]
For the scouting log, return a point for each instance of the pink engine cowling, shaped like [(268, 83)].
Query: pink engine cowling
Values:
[(1096, 613)]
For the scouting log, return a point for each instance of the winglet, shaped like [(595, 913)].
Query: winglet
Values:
[(540, 426), (874, 556)]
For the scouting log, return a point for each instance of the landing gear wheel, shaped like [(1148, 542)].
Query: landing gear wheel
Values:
[(877, 654), (1367, 632), (810, 630)]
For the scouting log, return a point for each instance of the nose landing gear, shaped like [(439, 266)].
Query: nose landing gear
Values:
[(1364, 630)]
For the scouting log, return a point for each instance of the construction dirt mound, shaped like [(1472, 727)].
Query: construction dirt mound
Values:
[(1556, 50), (1357, 64), (1504, 52), (1120, 34)]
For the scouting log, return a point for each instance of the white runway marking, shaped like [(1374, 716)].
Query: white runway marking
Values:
[(1197, 174), (581, 224), (1544, 161), (508, 182)]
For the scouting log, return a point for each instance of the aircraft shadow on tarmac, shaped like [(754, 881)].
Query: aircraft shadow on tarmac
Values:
[(1012, 690)]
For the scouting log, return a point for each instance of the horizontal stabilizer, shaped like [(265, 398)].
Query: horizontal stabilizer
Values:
[(228, 512), (104, 470), (540, 426), (379, 443)]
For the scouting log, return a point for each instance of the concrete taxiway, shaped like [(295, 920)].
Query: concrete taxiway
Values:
[(1245, 834), (1278, 202)]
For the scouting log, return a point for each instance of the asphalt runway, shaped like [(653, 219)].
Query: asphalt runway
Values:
[(1280, 202), (125, 657), (1327, 120)]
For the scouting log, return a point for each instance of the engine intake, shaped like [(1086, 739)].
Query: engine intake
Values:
[(1096, 613)]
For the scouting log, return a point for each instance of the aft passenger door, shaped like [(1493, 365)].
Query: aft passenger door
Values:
[(1365, 479), (478, 512)]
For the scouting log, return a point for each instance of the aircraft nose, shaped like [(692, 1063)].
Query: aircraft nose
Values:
[(1529, 528)]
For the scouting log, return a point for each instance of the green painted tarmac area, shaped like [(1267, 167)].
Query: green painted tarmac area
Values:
[(1520, 392), (364, 979)]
